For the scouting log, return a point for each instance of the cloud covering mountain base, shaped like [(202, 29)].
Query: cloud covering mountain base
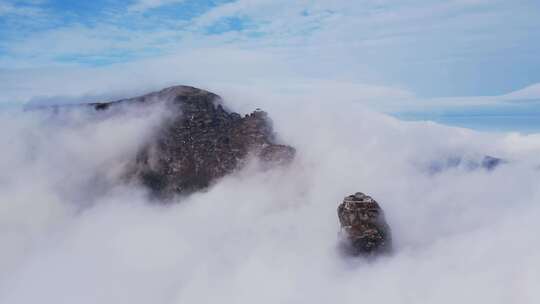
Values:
[(72, 231)]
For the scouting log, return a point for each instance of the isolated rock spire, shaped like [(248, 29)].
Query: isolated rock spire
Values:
[(364, 228)]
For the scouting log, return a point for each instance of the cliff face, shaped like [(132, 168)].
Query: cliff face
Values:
[(201, 142)]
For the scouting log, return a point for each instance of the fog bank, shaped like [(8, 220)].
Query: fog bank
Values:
[(73, 231)]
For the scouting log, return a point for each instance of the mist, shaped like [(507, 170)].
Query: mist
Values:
[(73, 230)]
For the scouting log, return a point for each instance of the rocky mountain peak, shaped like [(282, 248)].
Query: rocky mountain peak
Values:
[(201, 143)]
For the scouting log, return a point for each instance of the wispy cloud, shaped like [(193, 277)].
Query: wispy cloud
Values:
[(8, 8), (434, 48), (144, 5), (529, 93)]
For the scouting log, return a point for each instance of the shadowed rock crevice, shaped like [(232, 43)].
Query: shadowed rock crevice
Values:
[(200, 142)]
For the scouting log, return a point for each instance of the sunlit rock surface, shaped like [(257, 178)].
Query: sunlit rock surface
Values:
[(364, 228), (201, 142)]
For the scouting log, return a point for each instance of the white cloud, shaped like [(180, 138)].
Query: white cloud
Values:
[(70, 232), (144, 5), (7, 8), (430, 48), (244, 242), (271, 70), (531, 92), (267, 71)]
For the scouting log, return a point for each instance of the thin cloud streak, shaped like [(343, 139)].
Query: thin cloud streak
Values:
[(144, 5)]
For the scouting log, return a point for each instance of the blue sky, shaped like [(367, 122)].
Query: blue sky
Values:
[(422, 48)]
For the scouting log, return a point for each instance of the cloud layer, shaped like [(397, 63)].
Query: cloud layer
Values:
[(432, 48), (73, 232)]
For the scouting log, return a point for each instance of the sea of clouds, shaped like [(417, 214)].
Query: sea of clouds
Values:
[(73, 231)]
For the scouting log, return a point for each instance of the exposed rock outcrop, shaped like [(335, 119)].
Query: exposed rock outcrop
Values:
[(364, 228), (201, 142)]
